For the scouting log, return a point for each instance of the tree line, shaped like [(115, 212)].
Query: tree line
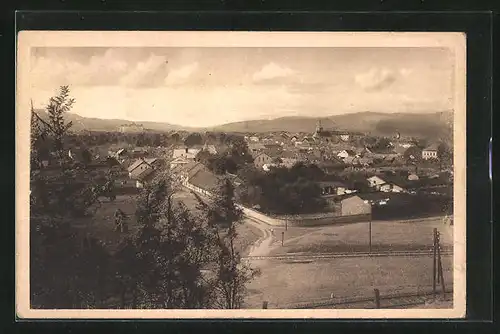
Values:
[(174, 259)]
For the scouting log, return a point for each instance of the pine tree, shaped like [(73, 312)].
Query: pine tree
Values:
[(68, 268)]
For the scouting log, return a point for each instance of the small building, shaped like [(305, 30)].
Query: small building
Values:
[(334, 188), (413, 177), (354, 205), (137, 167), (131, 128), (390, 187), (344, 136), (346, 153), (375, 182), (262, 159), (430, 152), (203, 181), (144, 177), (188, 153)]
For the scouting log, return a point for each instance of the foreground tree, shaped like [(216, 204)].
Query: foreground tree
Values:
[(68, 267), (228, 284), (168, 252)]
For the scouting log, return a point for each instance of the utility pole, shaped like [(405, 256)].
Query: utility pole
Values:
[(370, 235), (440, 265), (434, 269)]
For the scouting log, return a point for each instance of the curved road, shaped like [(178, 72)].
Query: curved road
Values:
[(263, 246)]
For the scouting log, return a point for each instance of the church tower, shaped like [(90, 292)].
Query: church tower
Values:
[(319, 128)]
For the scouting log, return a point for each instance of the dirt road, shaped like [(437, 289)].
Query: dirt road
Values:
[(265, 244)]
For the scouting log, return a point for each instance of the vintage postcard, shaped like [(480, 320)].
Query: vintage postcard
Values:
[(240, 175)]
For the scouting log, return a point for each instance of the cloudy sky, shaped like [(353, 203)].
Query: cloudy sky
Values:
[(209, 86)]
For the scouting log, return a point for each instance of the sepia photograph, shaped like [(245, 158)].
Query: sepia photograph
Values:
[(240, 175)]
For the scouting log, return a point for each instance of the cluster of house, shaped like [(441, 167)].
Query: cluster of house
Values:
[(269, 155), (185, 155), (329, 147), (303, 140)]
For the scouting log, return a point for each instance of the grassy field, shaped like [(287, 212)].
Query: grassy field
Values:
[(283, 284), (386, 236)]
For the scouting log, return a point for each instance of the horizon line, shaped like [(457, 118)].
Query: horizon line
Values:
[(141, 122)]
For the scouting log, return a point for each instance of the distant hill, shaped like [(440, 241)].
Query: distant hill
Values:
[(430, 125), (435, 124), (97, 124)]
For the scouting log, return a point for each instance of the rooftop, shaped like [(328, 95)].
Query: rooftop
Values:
[(432, 147), (204, 179)]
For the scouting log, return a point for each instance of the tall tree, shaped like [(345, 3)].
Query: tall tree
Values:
[(68, 267), (232, 274), (171, 248), (193, 139)]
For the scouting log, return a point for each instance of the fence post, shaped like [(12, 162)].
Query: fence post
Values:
[(440, 267), (264, 305), (282, 238), (434, 262), (377, 298)]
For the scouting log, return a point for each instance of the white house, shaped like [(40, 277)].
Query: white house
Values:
[(430, 152), (390, 187), (375, 182), (346, 153), (344, 137)]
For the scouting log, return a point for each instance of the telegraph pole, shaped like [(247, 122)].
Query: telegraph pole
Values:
[(440, 265), (370, 235), (434, 264)]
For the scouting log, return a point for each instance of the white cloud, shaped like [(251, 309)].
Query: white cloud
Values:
[(141, 74), (375, 78), (54, 71), (180, 75), (272, 71)]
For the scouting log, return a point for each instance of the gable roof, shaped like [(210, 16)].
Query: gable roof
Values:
[(432, 147), (136, 164), (145, 174), (204, 179)]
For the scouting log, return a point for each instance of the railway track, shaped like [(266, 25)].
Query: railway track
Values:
[(291, 257), (387, 301)]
